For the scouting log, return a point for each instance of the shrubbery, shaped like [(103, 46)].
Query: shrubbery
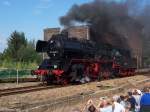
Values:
[(20, 53)]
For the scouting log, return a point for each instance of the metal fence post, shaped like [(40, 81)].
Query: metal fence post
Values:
[(17, 77), (9, 74)]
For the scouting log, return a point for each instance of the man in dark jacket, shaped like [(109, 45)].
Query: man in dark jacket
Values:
[(132, 101)]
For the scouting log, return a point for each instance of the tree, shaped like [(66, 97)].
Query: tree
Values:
[(20, 49), (1, 58), (16, 41), (28, 53)]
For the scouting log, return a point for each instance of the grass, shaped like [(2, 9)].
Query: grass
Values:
[(18, 65), (9, 69)]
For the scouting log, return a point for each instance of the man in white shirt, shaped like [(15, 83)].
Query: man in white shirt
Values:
[(116, 107)]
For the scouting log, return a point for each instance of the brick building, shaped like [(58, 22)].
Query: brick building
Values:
[(81, 32), (48, 32)]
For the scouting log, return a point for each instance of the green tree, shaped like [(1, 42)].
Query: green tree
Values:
[(16, 41), (20, 49), (1, 59), (28, 53)]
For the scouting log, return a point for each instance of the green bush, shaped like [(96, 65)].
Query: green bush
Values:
[(18, 65)]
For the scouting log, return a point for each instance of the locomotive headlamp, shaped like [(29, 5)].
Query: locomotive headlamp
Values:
[(55, 66), (51, 41)]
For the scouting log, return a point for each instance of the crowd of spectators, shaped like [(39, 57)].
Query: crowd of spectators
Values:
[(134, 100)]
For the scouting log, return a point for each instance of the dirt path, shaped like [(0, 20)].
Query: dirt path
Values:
[(34, 97), (15, 85)]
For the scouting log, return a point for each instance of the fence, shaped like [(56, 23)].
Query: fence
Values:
[(16, 75)]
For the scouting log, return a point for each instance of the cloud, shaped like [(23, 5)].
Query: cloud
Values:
[(46, 0), (6, 3), (37, 12), (42, 5)]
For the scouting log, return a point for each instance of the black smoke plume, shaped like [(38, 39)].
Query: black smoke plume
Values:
[(110, 22)]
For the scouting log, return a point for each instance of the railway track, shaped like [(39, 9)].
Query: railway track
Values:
[(20, 90)]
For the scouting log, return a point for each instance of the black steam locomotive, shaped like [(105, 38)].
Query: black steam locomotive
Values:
[(72, 60)]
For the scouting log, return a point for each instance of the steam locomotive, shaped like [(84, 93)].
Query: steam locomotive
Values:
[(80, 61)]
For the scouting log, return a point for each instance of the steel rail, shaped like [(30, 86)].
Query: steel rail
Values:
[(20, 90)]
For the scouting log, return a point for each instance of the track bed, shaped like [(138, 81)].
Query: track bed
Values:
[(14, 101)]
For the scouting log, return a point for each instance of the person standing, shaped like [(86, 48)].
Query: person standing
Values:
[(145, 101)]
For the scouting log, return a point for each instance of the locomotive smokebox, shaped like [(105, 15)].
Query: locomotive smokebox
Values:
[(41, 46)]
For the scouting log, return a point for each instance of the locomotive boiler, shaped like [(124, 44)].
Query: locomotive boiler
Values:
[(78, 61)]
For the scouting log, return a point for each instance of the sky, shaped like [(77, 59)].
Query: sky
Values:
[(31, 17)]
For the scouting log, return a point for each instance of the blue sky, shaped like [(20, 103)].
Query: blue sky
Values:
[(31, 16)]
